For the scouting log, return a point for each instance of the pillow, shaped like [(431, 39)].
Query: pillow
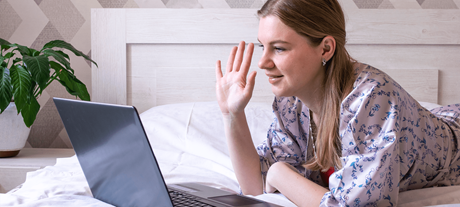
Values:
[(189, 142), (201, 122)]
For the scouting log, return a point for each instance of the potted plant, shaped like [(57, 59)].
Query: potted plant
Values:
[(24, 75)]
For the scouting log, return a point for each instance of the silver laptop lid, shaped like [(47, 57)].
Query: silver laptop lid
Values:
[(114, 153)]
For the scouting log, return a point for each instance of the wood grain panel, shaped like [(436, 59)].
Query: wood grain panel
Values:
[(444, 58), (422, 26), (177, 73), (191, 25), (227, 26), (172, 53), (108, 49)]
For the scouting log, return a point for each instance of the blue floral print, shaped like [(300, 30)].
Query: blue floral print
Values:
[(390, 143)]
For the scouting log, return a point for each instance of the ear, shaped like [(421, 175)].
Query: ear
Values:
[(328, 47)]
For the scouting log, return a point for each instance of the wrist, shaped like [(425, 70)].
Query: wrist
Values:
[(229, 117)]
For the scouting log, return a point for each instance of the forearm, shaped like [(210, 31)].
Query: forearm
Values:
[(243, 154), (300, 190)]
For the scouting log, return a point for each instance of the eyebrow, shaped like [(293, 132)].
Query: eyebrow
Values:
[(274, 42)]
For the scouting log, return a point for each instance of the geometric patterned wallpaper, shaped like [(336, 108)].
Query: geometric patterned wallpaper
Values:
[(35, 22)]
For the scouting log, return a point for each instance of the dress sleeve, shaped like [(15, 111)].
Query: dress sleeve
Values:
[(287, 137), (369, 130)]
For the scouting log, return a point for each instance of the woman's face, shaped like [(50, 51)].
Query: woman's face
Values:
[(292, 65)]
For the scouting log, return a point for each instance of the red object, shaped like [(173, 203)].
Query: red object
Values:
[(325, 175)]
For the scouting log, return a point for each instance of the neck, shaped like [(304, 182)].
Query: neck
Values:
[(314, 101)]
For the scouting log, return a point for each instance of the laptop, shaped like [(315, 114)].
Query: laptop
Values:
[(119, 164)]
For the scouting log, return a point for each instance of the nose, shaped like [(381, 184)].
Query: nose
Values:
[(266, 62)]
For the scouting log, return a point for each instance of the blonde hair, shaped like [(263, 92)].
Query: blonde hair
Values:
[(316, 19)]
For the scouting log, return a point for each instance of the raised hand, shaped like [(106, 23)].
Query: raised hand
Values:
[(234, 89)]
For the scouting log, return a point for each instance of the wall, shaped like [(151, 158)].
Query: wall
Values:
[(33, 23)]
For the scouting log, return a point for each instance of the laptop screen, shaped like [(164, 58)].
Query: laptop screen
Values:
[(114, 153)]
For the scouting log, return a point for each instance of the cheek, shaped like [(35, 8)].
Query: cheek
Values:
[(309, 62)]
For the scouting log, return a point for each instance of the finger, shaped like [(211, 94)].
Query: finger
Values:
[(231, 58), (239, 56), (250, 83), (218, 70), (247, 59)]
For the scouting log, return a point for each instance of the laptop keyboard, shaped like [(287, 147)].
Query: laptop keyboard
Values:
[(180, 199)]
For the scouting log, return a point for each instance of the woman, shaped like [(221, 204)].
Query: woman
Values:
[(344, 132)]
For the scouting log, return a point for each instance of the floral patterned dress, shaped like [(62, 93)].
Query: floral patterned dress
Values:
[(390, 143)]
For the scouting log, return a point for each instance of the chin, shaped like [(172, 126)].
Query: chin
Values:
[(275, 91), (279, 93)]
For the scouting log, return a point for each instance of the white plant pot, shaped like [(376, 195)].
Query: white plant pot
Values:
[(14, 132)]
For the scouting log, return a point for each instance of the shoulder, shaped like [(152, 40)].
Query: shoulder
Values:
[(375, 98), (367, 75), (372, 83)]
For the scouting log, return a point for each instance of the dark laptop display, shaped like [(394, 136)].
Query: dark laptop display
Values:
[(119, 164)]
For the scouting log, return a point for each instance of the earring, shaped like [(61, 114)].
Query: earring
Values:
[(324, 62)]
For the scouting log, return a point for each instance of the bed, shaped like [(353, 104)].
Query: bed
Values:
[(162, 62)]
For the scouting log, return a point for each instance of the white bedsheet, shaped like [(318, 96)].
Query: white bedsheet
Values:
[(65, 185), (189, 144)]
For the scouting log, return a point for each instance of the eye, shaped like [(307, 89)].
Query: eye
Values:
[(279, 49)]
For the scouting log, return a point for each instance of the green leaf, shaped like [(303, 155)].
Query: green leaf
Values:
[(29, 112), (65, 45), (17, 60), (73, 85), (66, 81), (9, 55), (5, 58), (82, 91), (56, 66), (5, 88), (63, 54), (58, 56), (23, 50), (34, 52), (22, 86), (4, 44), (39, 67), (32, 94)]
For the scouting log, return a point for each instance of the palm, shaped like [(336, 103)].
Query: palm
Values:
[(231, 94), (234, 89)]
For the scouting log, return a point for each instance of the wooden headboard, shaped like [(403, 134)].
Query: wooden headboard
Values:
[(150, 57)]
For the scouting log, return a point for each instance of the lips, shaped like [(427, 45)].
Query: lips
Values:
[(274, 78)]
